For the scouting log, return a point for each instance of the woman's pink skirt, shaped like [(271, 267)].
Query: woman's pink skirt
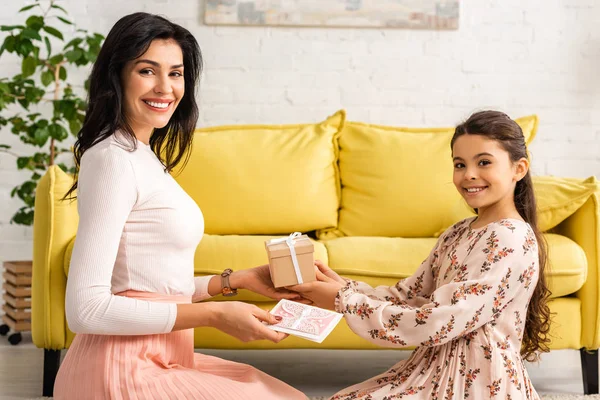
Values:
[(160, 366)]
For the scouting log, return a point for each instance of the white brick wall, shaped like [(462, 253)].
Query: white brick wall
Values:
[(534, 56)]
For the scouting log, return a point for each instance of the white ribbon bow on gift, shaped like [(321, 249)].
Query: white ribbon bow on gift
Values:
[(291, 241)]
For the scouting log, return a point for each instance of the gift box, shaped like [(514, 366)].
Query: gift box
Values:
[(291, 260)]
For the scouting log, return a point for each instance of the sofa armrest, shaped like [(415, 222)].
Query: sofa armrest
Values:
[(583, 227), (54, 226)]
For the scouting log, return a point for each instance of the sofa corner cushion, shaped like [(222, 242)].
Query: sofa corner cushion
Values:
[(558, 198)]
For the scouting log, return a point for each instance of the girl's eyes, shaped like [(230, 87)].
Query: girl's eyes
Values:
[(482, 163), (176, 74)]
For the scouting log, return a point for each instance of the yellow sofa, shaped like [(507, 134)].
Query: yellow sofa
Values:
[(374, 198)]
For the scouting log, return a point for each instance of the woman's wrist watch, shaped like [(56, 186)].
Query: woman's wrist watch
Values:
[(226, 289)]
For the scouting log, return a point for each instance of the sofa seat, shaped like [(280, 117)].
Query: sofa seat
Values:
[(384, 261)]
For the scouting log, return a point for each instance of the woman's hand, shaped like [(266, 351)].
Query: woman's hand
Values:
[(323, 291), (243, 321), (258, 280)]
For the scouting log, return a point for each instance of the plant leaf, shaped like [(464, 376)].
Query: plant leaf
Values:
[(66, 21), (74, 42), (5, 28), (56, 59), (23, 47), (41, 136), (48, 46), (53, 31), (23, 162), (31, 34), (26, 8), (23, 217), (74, 126), (73, 55), (58, 132), (60, 8), (47, 77), (28, 66), (33, 116), (9, 43), (4, 146), (62, 74), (35, 22)]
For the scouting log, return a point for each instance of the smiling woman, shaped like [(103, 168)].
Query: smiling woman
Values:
[(131, 294), (153, 87)]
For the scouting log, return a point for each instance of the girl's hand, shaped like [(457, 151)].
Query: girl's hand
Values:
[(258, 280), (328, 272), (243, 321), (322, 292)]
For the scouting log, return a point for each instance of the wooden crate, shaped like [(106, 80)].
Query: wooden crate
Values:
[(17, 280), (18, 267), (17, 314), (17, 288), (14, 302), (16, 326), (17, 291)]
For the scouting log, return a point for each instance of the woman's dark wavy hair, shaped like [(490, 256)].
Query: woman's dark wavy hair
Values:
[(498, 126), (130, 38)]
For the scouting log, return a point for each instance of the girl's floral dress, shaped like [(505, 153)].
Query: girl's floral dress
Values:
[(465, 310)]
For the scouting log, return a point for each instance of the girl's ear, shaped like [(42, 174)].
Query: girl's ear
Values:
[(522, 167)]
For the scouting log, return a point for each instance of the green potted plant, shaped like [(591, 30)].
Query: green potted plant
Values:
[(48, 108)]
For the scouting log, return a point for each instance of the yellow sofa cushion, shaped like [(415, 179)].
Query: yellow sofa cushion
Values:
[(557, 199), (216, 253), (265, 179), (384, 261), (397, 182)]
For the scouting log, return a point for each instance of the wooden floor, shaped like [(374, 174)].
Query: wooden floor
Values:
[(315, 372)]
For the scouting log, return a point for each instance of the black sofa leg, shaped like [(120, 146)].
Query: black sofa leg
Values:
[(51, 364), (589, 369)]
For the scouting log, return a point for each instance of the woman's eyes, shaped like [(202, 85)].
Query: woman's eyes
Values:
[(459, 165), (176, 74), (484, 162)]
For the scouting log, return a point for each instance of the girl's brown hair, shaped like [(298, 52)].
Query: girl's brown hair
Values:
[(498, 126)]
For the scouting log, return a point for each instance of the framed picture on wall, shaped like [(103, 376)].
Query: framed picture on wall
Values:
[(411, 14)]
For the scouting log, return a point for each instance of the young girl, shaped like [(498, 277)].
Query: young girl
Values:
[(131, 279), (477, 306)]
